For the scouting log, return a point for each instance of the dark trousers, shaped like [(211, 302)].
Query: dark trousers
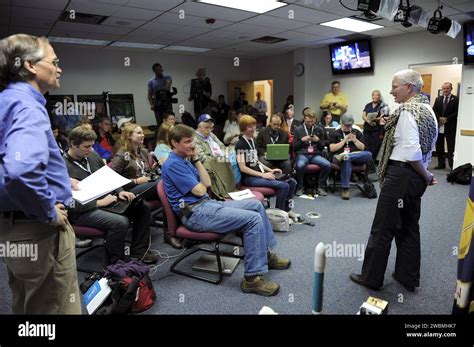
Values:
[(283, 165), (116, 226), (396, 216), (450, 140), (373, 140), (150, 195)]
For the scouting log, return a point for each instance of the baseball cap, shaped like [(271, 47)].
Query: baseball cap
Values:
[(123, 120), (205, 118), (347, 119)]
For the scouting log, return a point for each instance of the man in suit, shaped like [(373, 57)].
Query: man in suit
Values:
[(290, 120), (446, 110)]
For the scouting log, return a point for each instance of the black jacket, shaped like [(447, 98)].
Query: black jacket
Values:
[(264, 138), (451, 112), (301, 147), (295, 124)]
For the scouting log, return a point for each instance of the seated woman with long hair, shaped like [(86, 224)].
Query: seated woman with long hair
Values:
[(255, 174)]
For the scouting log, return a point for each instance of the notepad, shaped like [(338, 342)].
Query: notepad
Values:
[(96, 295), (241, 195)]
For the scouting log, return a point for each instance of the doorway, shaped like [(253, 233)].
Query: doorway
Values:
[(250, 88)]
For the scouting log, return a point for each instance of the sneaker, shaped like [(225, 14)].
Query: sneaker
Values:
[(83, 243), (276, 263), (259, 286), (299, 192), (345, 194), (341, 156), (322, 192), (149, 258)]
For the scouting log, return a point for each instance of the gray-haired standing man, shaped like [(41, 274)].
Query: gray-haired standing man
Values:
[(410, 135), (35, 188)]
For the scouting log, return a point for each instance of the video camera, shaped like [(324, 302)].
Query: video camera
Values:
[(165, 97)]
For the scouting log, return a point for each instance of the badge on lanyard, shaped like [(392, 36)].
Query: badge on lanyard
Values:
[(310, 149)]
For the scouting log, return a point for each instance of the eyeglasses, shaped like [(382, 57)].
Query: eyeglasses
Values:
[(55, 62)]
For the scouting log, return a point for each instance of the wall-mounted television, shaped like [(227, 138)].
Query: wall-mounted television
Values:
[(351, 57), (469, 42)]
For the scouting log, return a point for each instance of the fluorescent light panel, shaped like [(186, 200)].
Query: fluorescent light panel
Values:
[(187, 49), (78, 41), (350, 24), (257, 6), (137, 45)]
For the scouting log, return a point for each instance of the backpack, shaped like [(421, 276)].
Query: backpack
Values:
[(461, 175), (368, 189), (132, 289), (279, 219)]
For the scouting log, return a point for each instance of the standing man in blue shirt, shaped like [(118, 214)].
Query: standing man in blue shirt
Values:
[(158, 87), (35, 189)]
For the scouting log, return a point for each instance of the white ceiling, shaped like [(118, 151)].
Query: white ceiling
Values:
[(159, 22)]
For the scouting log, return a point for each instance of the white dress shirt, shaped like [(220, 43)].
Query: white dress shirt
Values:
[(407, 140)]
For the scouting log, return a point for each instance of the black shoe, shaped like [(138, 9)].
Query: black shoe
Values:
[(148, 258), (409, 288), (356, 278)]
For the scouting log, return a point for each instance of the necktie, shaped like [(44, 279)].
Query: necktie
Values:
[(445, 104)]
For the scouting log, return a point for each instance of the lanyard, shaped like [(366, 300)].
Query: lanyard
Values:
[(254, 150), (252, 146), (86, 169), (276, 139), (141, 165), (306, 130)]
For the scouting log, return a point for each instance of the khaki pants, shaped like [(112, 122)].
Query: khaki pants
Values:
[(48, 284)]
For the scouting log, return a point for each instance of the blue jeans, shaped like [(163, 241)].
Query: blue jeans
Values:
[(359, 158), (304, 159), (285, 189), (249, 216)]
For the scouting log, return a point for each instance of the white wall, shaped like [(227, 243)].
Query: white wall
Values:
[(279, 69), (390, 55), (90, 71), (439, 75)]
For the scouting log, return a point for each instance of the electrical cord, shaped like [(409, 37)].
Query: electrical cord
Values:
[(348, 8)]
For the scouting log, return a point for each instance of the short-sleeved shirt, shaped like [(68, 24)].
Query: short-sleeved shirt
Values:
[(249, 149), (381, 109), (158, 83), (338, 135), (179, 177), (340, 98)]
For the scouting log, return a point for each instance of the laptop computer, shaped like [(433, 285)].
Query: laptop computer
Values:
[(121, 206), (278, 151)]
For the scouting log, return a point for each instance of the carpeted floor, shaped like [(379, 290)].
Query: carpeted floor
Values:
[(342, 222)]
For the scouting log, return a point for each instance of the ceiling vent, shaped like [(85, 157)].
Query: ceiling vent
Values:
[(83, 18), (268, 39)]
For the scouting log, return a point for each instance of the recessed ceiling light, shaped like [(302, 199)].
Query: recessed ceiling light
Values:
[(187, 49), (77, 41), (137, 45), (257, 6), (350, 24)]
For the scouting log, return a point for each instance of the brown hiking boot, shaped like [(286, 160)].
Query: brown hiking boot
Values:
[(259, 286), (345, 194), (276, 263)]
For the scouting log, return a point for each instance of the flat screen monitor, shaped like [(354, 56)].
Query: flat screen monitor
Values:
[(351, 57), (469, 42)]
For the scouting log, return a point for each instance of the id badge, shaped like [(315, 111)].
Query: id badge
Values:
[(310, 149), (347, 150)]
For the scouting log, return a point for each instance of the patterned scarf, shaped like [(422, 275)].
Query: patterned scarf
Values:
[(427, 128)]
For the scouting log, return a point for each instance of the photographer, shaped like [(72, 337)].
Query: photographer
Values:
[(201, 91), (159, 92)]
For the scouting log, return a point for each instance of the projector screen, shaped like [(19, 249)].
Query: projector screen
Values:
[(469, 42)]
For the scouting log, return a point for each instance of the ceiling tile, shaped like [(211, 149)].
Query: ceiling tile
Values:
[(299, 37), (159, 27), (274, 22), (47, 4), (324, 31), (108, 37), (465, 7), (20, 13), (16, 29), (159, 5), (302, 14), (213, 11), (137, 13), (91, 7), (383, 32)]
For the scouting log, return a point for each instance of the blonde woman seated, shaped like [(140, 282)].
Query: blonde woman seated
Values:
[(163, 149), (131, 161)]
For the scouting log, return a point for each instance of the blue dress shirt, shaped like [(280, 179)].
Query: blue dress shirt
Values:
[(33, 175)]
